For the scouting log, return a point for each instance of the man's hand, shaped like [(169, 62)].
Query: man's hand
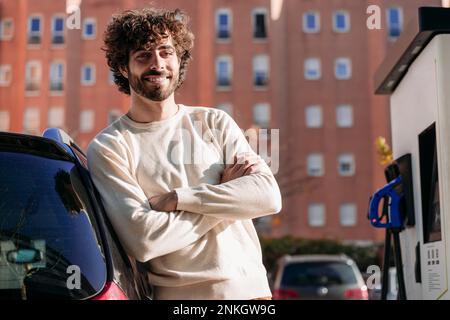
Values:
[(165, 202), (243, 165)]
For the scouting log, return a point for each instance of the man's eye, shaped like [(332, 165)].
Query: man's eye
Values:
[(143, 56), (167, 53)]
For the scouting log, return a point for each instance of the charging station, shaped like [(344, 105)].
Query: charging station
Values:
[(417, 77)]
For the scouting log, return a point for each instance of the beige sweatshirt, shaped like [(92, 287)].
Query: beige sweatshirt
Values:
[(208, 248)]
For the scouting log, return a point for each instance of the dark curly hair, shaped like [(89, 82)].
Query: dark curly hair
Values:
[(143, 28)]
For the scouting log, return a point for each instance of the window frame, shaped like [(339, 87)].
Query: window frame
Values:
[(26, 120), (89, 20), (267, 111), (389, 23), (58, 33), (266, 63), (340, 161), (4, 69), (309, 164), (354, 219), (30, 81), (92, 81), (228, 13), (308, 110), (229, 61), (346, 15), (51, 112), (310, 61), (84, 113), (305, 27), (339, 122), (31, 33), (3, 36), (311, 213), (254, 13), (348, 64), (62, 80)]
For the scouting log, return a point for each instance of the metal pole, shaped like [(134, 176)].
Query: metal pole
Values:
[(386, 263), (399, 266)]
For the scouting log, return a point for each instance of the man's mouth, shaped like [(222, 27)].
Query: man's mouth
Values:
[(155, 79)]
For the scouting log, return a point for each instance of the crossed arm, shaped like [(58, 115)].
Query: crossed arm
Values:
[(238, 196), (247, 189)]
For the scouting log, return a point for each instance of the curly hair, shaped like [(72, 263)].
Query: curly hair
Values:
[(143, 28)]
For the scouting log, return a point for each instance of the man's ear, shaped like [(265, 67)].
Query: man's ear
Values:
[(124, 71)]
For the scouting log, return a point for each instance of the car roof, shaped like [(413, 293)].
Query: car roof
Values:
[(54, 141), (315, 258)]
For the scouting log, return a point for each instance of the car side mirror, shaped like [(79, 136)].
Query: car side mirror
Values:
[(24, 256)]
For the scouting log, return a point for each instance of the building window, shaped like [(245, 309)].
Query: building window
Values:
[(341, 21), (261, 115), (33, 75), (227, 107), (344, 116), (347, 214), (223, 71), (346, 165), (6, 29), (88, 74), (113, 115), (311, 22), (4, 121), (343, 68), (5, 75), (34, 30), (31, 121), (259, 19), (56, 117), (261, 70), (313, 116), (58, 30), (56, 76), (394, 21), (223, 24), (315, 166), (89, 28), (316, 214), (87, 121), (312, 69)]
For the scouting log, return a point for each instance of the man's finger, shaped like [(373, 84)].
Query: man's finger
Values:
[(241, 158), (252, 169)]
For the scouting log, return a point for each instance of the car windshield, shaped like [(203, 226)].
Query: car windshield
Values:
[(318, 273), (49, 245)]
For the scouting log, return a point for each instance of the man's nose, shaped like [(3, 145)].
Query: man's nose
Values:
[(156, 62)]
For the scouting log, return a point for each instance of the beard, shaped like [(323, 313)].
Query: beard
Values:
[(154, 91)]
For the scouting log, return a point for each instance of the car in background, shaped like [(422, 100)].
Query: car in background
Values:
[(55, 239), (318, 277)]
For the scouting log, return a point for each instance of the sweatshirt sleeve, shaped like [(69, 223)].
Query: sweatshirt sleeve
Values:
[(144, 233), (247, 197)]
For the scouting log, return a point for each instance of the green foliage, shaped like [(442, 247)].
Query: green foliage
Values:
[(275, 248)]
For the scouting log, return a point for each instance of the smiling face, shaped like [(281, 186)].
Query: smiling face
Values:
[(154, 73)]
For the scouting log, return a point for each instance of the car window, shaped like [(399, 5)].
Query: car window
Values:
[(323, 273), (49, 246)]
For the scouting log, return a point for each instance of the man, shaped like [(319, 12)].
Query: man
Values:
[(180, 184)]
